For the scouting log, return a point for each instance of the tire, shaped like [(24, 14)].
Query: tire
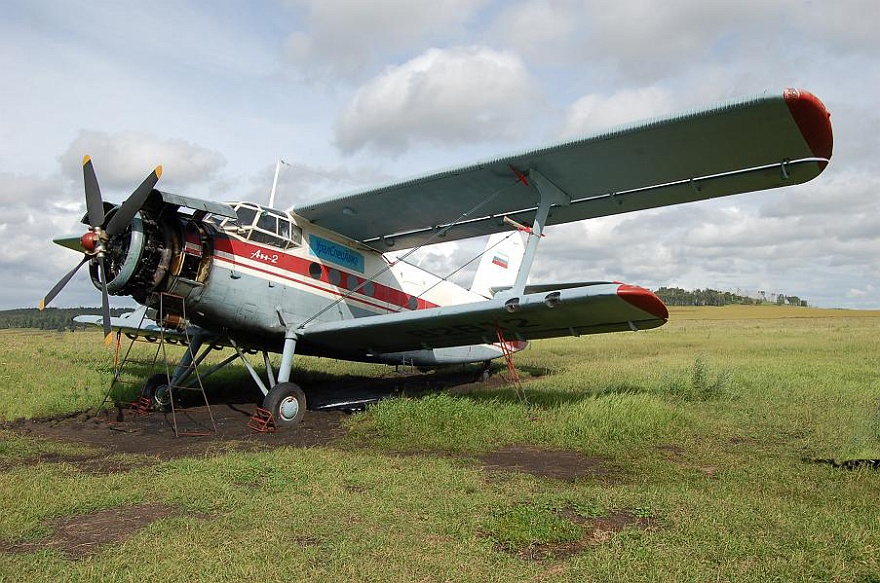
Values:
[(156, 390), (287, 403)]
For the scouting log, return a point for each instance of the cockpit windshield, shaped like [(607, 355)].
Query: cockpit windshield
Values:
[(264, 225)]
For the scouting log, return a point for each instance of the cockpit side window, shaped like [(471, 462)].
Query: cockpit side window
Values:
[(245, 216)]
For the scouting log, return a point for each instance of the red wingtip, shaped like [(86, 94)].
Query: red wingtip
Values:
[(814, 121), (643, 299)]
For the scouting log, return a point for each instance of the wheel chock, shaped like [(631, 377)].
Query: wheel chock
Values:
[(262, 421), (141, 407)]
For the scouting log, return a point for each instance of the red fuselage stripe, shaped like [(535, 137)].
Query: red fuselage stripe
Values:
[(291, 265)]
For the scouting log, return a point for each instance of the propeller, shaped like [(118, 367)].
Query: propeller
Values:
[(58, 286), (94, 242)]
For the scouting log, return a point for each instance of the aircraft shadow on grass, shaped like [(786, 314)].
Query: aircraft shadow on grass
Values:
[(351, 392)]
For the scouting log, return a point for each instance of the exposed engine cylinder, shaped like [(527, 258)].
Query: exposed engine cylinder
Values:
[(137, 260)]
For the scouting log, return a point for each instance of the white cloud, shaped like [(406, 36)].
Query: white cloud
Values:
[(540, 30), (35, 210), (850, 27), (441, 97), (640, 41), (343, 37), (593, 113), (123, 159)]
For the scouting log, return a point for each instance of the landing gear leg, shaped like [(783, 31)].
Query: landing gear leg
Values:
[(285, 400), (287, 356)]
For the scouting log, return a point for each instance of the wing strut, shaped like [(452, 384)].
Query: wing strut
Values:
[(550, 195)]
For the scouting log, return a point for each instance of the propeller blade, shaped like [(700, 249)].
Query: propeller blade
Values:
[(105, 301), (94, 204), (133, 204), (60, 285)]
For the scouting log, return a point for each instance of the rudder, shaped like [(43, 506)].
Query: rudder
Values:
[(499, 264)]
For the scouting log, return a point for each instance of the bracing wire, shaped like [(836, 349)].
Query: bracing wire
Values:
[(386, 268), (468, 262)]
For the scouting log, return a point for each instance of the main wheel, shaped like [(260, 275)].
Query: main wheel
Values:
[(287, 403), (156, 389)]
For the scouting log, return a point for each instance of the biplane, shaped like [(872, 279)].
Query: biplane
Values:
[(327, 278)]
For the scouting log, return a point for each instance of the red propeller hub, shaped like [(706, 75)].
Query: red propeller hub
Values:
[(89, 241)]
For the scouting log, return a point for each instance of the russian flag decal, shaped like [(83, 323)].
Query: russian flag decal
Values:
[(500, 260)]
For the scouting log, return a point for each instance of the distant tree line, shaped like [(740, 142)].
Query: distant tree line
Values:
[(50, 318), (675, 296)]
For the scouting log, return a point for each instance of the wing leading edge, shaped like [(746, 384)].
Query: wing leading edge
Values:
[(740, 146), (137, 324), (591, 309)]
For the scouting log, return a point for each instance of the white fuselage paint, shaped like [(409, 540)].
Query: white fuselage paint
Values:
[(262, 289)]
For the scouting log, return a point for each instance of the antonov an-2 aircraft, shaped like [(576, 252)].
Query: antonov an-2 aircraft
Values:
[(316, 279)]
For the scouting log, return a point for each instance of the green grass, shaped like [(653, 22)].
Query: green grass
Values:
[(707, 422)]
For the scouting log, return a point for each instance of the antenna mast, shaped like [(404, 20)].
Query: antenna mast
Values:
[(275, 182)]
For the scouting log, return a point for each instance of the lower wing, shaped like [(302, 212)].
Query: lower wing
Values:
[(137, 324), (592, 308)]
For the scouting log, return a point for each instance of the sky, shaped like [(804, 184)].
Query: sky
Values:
[(351, 94)]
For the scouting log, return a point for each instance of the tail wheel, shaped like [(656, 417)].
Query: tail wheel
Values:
[(287, 403)]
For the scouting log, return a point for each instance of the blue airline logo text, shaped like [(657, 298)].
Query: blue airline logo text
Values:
[(339, 254)]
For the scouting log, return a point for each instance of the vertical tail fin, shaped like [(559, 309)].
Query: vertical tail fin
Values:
[(499, 264)]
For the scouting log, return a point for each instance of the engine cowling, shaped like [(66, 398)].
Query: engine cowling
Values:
[(138, 259)]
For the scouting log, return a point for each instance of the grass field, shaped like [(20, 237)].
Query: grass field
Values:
[(700, 429)]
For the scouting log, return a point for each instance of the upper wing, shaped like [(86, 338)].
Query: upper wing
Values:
[(589, 309), (739, 146)]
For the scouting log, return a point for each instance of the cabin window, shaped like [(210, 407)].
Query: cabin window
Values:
[(291, 232), (283, 228), (315, 270)]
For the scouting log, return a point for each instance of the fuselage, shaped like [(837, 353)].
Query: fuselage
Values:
[(255, 276)]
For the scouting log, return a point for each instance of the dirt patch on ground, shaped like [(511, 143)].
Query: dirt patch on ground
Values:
[(118, 430), (122, 441), (596, 530), (678, 455), (100, 465), (121, 432), (84, 535), (560, 464)]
